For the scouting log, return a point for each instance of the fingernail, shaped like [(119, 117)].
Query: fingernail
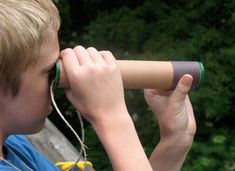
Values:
[(187, 81)]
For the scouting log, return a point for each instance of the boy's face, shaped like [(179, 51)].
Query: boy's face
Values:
[(26, 113)]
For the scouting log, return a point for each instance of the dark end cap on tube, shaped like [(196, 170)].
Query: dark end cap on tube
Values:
[(195, 69), (57, 78)]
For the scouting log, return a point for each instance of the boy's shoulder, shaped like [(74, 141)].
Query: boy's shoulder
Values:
[(19, 142), (19, 150), (19, 145)]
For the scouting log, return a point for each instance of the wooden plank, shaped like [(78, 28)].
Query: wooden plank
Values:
[(53, 144)]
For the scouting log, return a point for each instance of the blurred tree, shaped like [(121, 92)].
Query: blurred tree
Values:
[(166, 30)]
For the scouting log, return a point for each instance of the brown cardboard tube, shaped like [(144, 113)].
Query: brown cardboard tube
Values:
[(149, 74), (146, 74)]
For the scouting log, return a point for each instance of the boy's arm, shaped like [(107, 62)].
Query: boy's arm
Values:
[(96, 90), (175, 116), (170, 154), (122, 144)]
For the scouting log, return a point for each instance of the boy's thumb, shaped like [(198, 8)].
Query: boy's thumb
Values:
[(182, 88)]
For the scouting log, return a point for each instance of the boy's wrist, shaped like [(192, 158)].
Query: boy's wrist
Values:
[(170, 153), (101, 117), (116, 133), (179, 141), (109, 121)]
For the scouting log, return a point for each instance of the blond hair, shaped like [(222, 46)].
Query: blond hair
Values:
[(23, 25)]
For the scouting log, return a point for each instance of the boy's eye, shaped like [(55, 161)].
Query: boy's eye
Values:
[(52, 74)]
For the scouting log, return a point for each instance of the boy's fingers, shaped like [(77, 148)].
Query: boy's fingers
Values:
[(182, 88), (95, 55), (108, 57), (70, 62), (82, 55)]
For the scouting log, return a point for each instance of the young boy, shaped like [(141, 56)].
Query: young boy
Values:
[(28, 51)]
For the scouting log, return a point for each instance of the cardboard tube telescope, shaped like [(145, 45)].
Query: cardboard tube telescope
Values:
[(148, 74)]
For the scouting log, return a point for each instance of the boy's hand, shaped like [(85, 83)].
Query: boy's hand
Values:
[(96, 87), (173, 110), (175, 116), (96, 90)]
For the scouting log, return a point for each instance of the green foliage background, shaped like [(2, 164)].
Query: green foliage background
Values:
[(164, 30)]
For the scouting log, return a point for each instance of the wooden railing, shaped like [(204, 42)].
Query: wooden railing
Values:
[(53, 144)]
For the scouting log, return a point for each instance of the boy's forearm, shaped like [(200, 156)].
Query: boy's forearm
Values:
[(170, 154), (122, 144)]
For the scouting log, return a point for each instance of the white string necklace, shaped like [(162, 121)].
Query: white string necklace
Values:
[(81, 141), (6, 161)]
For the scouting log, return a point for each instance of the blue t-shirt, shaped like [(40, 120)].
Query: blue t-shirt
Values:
[(21, 155)]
